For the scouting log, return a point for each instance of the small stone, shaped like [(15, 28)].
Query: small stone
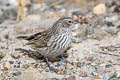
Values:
[(35, 65), (31, 74), (96, 3), (55, 62), (68, 66), (26, 66), (112, 18), (83, 73), (17, 73), (18, 66), (7, 65), (68, 72), (11, 62), (60, 72), (7, 58), (108, 65), (2, 54), (117, 68), (38, 1), (110, 24), (71, 78), (74, 33), (118, 75), (16, 55), (99, 9), (26, 56), (28, 3), (52, 79), (98, 76), (33, 17), (77, 13), (108, 76), (98, 61), (118, 34), (90, 30), (118, 26), (107, 70), (117, 8), (79, 64), (112, 48), (74, 64), (90, 58)]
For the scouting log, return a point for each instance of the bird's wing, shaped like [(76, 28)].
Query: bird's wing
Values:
[(39, 39)]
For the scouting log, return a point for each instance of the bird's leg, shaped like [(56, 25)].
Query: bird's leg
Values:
[(64, 59), (50, 67), (47, 62)]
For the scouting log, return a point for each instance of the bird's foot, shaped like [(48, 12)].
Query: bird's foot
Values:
[(51, 68)]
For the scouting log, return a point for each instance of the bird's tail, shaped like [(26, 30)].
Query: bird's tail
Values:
[(22, 37)]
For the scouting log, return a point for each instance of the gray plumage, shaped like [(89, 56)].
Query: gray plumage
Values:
[(54, 41)]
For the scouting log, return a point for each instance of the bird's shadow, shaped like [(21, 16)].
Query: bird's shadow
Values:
[(35, 55)]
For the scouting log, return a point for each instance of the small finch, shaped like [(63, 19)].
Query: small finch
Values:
[(54, 41)]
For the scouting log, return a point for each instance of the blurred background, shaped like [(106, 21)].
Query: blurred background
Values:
[(41, 9), (94, 56)]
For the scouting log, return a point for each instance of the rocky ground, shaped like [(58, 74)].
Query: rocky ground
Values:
[(94, 55)]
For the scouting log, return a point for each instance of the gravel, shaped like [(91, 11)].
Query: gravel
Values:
[(96, 55)]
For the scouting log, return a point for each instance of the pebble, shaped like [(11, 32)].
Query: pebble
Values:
[(118, 34), (67, 71), (98, 76), (26, 66), (107, 70), (98, 61), (117, 9), (52, 79), (99, 9), (31, 74), (68, 66), (16, 55), (7, 58), (70, 78), (33, 17), (2, 54), (110, 24), (112, 48), (107, 75), (16, 73), (118, 26), (90, 30), (11, 62), (108, 65), (79, 64), (118, 74), (7, 65), (111, 18), (77, 13)]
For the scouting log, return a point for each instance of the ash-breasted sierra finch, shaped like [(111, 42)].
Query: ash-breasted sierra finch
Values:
[(53, 41)]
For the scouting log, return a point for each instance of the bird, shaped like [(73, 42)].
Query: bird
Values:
[(53, 41)]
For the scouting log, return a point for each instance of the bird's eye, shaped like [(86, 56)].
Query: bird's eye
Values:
[(70, 21)]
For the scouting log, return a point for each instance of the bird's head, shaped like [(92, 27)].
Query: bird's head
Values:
[(66, 22)]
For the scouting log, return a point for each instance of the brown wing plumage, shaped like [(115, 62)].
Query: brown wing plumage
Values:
[(39, 39)]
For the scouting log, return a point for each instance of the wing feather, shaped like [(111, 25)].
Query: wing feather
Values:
[(39, 39)]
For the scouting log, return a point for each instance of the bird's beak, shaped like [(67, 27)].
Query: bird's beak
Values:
[(76, 22), (76, 25)]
